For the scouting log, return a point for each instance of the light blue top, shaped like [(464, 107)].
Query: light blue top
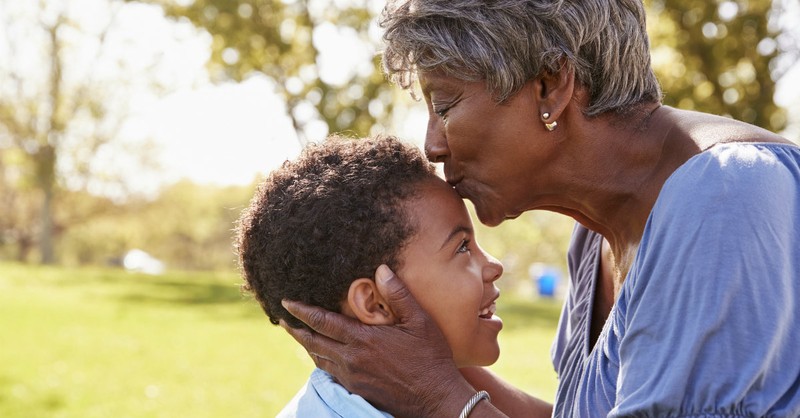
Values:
[(707, 323), (322, 397)]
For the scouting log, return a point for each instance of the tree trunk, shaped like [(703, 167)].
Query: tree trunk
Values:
[(48, 148), (24, 247), (46, 238), (45, 159)]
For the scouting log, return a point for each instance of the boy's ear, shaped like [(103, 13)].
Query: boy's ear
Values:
[(367, 305)]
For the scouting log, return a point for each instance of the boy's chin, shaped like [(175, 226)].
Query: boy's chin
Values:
[(484, 360)]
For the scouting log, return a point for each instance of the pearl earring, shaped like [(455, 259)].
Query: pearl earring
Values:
[(550, 126)]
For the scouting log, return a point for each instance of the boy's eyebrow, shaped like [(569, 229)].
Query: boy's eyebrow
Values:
[(457, 230)]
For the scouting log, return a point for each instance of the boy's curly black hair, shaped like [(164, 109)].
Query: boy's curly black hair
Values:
[(327, 218)]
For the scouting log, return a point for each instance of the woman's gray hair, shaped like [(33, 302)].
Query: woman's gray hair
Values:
[(508, 42)]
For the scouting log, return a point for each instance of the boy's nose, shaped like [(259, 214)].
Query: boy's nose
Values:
[(493, 269)]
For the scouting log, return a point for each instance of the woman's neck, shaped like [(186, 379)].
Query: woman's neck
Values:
[(633, 156)]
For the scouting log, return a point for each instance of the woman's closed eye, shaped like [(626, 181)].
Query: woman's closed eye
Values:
[(442, 109)]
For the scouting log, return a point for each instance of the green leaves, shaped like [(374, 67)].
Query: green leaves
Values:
[(717, 57), (277, 38)]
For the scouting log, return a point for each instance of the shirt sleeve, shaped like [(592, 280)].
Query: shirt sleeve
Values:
[(708, 314)]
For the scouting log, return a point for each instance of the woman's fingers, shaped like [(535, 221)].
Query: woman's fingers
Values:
[(332, 325), (398, 296)]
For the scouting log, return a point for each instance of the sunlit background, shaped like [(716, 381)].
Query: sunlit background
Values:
[(132, 133)]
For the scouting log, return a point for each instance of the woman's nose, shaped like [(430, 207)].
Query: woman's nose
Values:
[(435, 141)]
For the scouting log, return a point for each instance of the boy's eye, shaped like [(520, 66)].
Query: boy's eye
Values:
[(464, 247)]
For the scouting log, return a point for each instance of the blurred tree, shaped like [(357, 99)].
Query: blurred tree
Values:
[(189, 226), (291, 43), (17, 207), (67, 82), (194, 224), (719, 56)]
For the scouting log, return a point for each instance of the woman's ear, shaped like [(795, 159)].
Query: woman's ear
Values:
[(367, 305), (554, 91)]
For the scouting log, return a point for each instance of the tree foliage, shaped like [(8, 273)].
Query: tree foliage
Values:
[(282, 40), (718, 57), (66, 88)]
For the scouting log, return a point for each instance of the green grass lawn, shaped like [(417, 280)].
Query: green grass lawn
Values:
[(86, 343)]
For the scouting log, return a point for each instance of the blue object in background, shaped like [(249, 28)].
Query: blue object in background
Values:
[(547, 282)]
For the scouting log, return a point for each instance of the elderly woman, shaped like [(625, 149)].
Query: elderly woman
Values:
[(553, 105)]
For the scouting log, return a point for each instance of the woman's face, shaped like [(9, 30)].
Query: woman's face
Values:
[(450, 275), (496, 155)]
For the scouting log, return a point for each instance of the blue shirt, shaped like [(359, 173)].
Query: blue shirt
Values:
[(706, 323), (572, 345), (322, 397)]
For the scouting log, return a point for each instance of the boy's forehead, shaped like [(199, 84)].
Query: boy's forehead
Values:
[(435, 204)]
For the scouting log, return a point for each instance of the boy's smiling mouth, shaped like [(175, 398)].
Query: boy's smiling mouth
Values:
[(489, 310)]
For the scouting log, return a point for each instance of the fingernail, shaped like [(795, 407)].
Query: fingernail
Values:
[(285, 303), (383, 273)]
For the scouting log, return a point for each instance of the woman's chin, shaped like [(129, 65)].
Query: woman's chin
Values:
[(487, 216), (494, 219)]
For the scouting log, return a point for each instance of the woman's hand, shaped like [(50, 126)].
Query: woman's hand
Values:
[(406, 369)]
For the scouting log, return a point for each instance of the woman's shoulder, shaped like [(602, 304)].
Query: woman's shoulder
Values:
[(740, 162), (734, 180), (707, 130), (723, 149)]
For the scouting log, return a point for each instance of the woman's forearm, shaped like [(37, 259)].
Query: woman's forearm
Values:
[(505, 397)]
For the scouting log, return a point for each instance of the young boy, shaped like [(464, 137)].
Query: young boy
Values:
[(319, 227)]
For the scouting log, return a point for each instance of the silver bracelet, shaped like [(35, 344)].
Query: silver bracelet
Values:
[(474, 401)]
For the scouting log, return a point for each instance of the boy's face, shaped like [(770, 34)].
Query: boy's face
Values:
[(451, 276)]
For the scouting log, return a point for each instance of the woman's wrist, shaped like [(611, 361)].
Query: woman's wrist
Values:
[(445, 396), (450, 399), (477, 397)]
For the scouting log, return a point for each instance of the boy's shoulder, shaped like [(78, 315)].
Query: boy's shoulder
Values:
[(322, 397)]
